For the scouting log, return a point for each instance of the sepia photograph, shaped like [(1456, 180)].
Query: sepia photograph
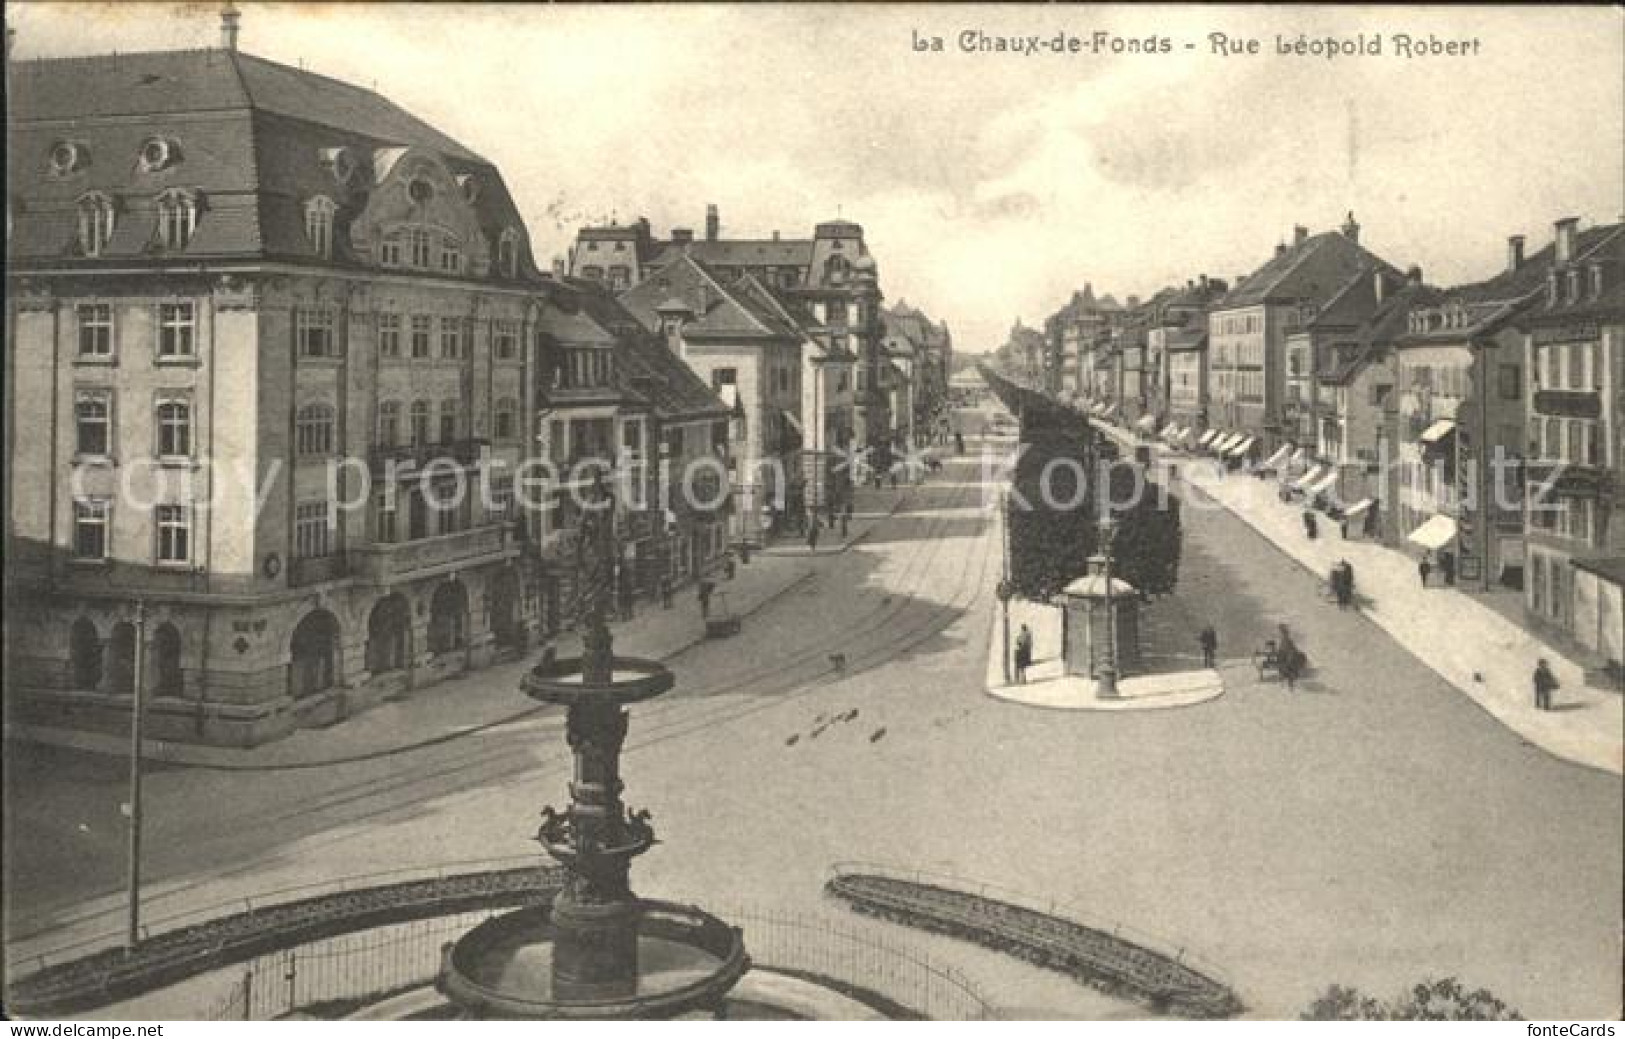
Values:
[(812, 512)]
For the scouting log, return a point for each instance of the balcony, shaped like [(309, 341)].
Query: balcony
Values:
[(1569, 403), (384, 563), (316, 570), (409, 458), (1569, 479)]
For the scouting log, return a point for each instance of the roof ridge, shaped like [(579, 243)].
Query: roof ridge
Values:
[(705, 272)]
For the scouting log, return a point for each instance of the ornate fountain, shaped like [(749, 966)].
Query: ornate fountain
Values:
[(598, 951)]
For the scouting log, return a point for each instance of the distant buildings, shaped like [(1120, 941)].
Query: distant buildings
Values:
[(1480, 423)]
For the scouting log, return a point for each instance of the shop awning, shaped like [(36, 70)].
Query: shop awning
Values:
[(1241, 449), (1207, 438), (1169, 430), (1438, 431), (1435, 533), (1146, 423), (1274, 461), (1357, 508), (1230, 440), (1315, 472), (1322, 485)]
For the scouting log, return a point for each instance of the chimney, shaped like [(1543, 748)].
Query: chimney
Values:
[(1203, 283), (230, 18), (1280, 248), (713, 223), (775, 236), (1413, 275), (1351, 229), (681, 236), (1300, 234), (1565, 239), (1514, 252)]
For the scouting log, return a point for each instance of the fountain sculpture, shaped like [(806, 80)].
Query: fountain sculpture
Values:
[(598, 951)]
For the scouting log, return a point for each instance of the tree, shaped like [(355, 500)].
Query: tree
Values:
[(1432, 1000)]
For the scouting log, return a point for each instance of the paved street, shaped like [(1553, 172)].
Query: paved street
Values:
[(1372, 829)]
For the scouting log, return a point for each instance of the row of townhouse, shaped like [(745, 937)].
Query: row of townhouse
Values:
[(1481, 423), (288, 393), (793, 335)]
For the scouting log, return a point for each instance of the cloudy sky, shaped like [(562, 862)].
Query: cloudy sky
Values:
[(989, 185)]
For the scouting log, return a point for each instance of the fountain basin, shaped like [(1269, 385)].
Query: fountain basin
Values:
[(563, 682), (503, 968)]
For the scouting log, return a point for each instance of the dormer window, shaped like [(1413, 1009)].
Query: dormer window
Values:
[(177, 218), (319, 225), (157, 153), (451, 256), (418, 242), (1574, 285), (470, 187), (67, 157), (508, 253), (1596, 281), (341, 162), (95, 223), (1551, 288), (420, 190)]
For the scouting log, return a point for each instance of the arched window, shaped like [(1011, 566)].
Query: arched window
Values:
[(85, 654), (389, 423), (835, 268), (505, 419), (95, 223), (508, 253), (319, 225), (448, 420), (420, 423), (177, 218), (166, 660), (313, 430)]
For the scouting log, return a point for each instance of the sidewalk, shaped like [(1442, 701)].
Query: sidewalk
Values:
[(1481, 652), (868, 507), (489, 697)]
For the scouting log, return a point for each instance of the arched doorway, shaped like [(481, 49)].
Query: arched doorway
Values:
[(121, 659), (166, 661), (85, 654), (505, 608), (389, 635), (448, 618), (314, 654)]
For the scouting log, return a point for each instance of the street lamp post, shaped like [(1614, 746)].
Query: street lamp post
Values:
[(1108, 668), (133, 937), (1004, 589)]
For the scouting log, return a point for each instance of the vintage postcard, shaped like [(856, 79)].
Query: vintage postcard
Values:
[(813, 512)]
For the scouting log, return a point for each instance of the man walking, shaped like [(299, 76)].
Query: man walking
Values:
[(1447, 568), (1545, 682), (1024, 654), (1209, 640), (1424, 567), (706, 587), (812, 534)]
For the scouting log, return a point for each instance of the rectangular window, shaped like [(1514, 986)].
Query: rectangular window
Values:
[(448, 421), (505, 340), (1511, 382), (721, 377), (177, 327), (93, 423), (451, 257), (389, 253), (418, 241), (420, 336), (314, 332), (384, 528), (389, 335), (173, 418), (312, 530), (501, 499), (95, 330), (173, 524), (90, 526), (451, 337)]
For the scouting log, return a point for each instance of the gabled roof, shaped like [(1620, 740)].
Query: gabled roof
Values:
[(1310, 270), (1377, 334), (721, 310)]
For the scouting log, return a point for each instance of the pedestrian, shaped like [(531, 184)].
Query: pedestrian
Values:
[(665, 592), (1424, 567), (1209, 640), (1336, 583), (1291, 662), (959, 442), (812, 535), (1348, 581), (894, 477), (1343, 527), (1310, 524), (1371, 522), (846, 520), (706, 587), (1545, 682), (1447, 568), (1024, 654), (626, 595)]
